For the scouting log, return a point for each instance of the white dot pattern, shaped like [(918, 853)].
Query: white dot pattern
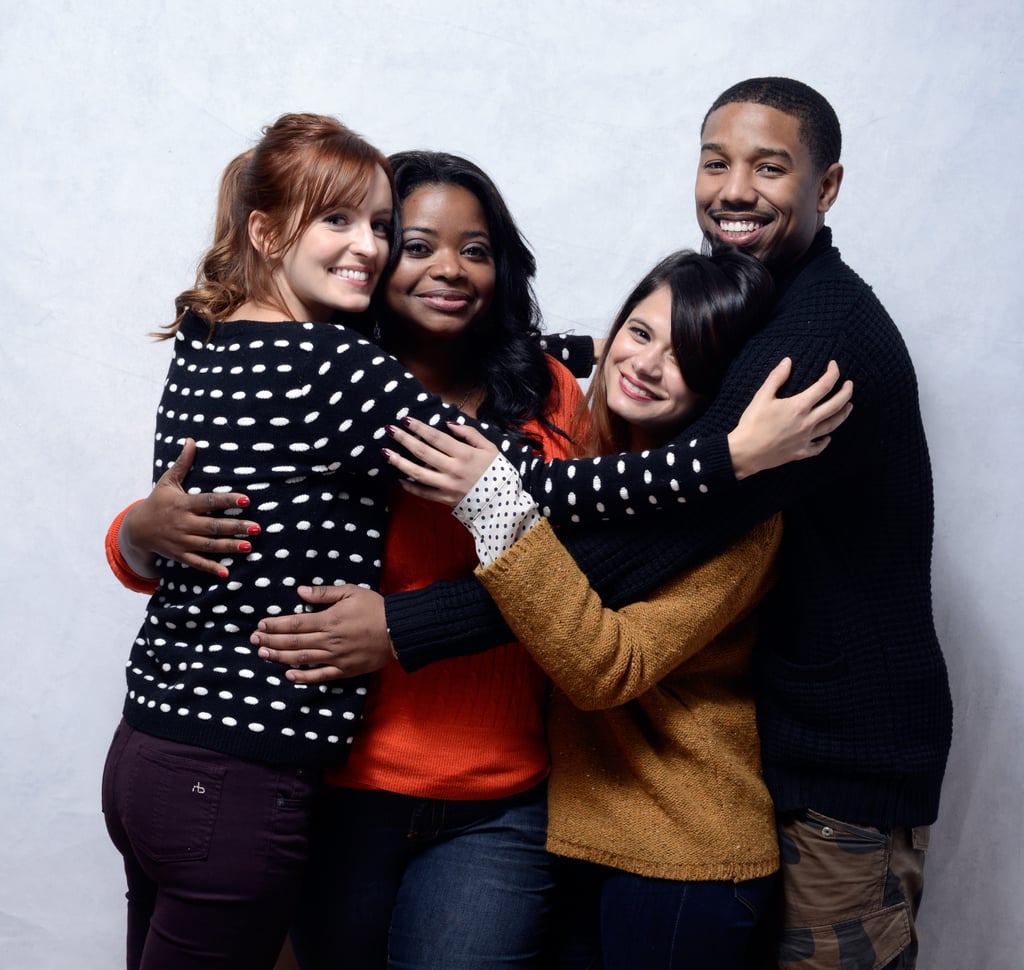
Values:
[(497, 511), (299, 407), (659, 478)]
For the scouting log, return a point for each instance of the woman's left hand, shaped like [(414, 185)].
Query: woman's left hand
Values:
[(453, 461)]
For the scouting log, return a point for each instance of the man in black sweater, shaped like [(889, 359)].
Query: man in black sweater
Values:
[(853, 699)]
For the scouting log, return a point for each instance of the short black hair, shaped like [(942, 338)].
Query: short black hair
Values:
[(819, 125)]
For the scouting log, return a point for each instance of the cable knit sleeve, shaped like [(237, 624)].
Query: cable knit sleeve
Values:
[(601, 657)]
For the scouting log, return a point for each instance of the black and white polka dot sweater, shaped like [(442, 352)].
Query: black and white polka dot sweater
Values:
[(294, 415)]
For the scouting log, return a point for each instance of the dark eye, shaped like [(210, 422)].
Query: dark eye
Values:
[(714, 165), (769, 169), (336, 219), (476, 251), (416, 248), (640, 333)]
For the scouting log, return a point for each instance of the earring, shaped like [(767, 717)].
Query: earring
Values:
[(377, 332)]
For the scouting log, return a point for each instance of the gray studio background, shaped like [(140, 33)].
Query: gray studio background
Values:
[(116, 119)]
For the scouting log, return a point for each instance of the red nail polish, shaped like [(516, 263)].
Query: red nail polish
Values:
[(253, 530), (390, 429), (386, 453), (242, 502), (245, 547), (223, 573)]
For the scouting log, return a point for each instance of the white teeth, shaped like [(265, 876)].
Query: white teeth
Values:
[(731, 226), (353, 274), (637, 389)]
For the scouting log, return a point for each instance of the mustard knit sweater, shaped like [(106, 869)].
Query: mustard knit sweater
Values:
[(655, 758)]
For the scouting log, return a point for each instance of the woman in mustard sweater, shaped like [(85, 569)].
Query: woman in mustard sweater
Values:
[(656, 792)]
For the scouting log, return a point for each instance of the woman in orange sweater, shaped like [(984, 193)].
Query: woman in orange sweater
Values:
[(430, 850)]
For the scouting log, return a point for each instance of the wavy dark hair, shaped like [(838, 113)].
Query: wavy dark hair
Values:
[(513, 369), (718, 301)]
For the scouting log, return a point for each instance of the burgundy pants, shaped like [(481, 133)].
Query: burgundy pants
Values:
[(214, 851)]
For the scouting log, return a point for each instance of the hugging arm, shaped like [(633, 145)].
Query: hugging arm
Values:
[(172, 524), (625, 560), (708, 458), (771, 431), (600, 657)]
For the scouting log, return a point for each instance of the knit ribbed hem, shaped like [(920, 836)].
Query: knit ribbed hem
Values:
[(269, 747), (424, 623), (884, 801), (725, 870)]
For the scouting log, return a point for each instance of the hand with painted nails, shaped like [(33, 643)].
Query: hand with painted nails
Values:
[(172, 524), (450, 463), (347, 637), (775, 430)]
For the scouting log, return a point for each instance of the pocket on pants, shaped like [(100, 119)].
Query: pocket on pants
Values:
[(835, 899), (870, 941), (172, 806)]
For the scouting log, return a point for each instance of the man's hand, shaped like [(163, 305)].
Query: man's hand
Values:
[(349, 636)]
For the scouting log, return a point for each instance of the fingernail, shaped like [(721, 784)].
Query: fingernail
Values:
[(391, 429), (245, 547), (223, 573), (386, 453), (407, 421), (264, 654), (242, 501), (253, 530)]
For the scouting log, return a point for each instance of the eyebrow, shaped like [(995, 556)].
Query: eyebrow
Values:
[(426, 230), (712, 146)]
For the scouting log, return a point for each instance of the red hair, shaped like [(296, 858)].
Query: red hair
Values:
[(303, 166)]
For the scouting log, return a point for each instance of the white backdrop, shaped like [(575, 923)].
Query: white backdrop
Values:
[(116, 119)]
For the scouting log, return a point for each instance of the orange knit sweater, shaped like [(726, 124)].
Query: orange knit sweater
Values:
[(470, 727)]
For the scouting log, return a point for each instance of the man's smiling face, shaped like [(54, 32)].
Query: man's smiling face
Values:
[(757, 185)]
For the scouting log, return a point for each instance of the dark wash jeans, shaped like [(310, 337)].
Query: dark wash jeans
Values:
[(616, 920), (214, 852), (425, 884)]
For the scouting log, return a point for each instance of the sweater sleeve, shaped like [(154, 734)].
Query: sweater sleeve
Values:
[(574, 352), (600, 657), (119, 565), (616, 487)]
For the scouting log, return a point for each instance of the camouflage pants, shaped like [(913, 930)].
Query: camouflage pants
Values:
[(850, 894)]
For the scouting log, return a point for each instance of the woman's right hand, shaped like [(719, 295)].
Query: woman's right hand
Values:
[(775, 430), (173, 524)]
